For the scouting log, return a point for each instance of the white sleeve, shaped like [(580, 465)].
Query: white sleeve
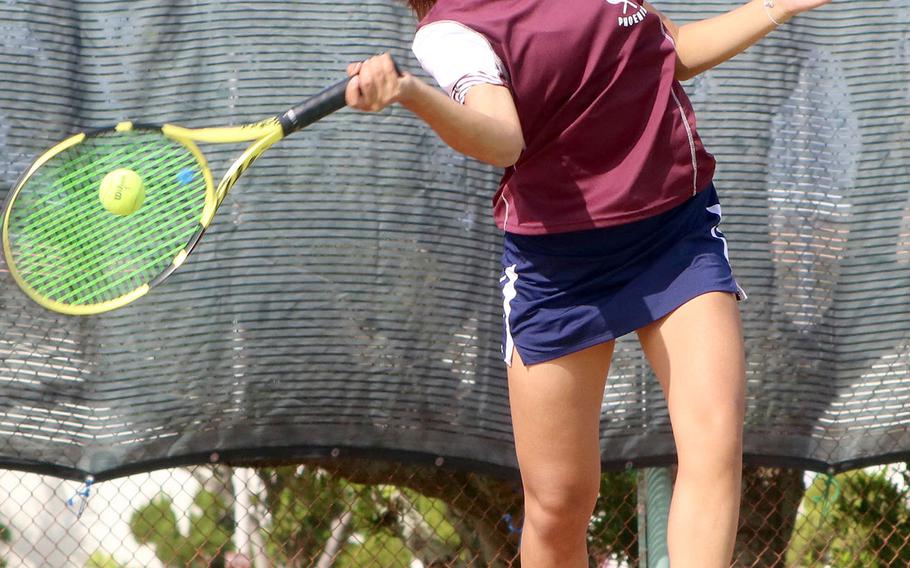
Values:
[(457, 57)]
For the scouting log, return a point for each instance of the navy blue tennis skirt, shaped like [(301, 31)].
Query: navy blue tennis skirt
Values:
[(568, 291)]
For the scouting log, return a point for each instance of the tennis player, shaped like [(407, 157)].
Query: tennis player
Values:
[(610, 222)]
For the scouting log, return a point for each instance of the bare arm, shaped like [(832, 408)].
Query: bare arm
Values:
[(702, 45), (486, 127)]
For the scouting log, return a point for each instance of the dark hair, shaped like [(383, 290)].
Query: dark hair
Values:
[(421, 7)]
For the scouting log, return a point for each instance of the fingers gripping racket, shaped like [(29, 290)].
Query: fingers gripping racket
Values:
[(105, 215)]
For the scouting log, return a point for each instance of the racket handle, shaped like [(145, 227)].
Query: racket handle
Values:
[(318, 106)]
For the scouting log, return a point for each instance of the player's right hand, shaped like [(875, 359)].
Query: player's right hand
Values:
[(375, 83)]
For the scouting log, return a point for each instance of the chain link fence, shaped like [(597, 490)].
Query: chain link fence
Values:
[(358, 513)]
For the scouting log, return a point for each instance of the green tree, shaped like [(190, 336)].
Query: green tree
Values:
[(472, 505), (313, 512), (209, 535), (353, 513), (770, 505), (6, 537), (100, 559), (393, 514), (466, 513), (400, 524), (302, 502), (857, 519), (613, 531)]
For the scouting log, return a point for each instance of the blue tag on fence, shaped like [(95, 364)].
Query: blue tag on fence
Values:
[(79, 501)]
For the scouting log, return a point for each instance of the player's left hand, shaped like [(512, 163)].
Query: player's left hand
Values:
[(791, 8)]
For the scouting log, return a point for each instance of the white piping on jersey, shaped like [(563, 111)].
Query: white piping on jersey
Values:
[(666, 35), (505, 221), (685, 119), (508, 294)]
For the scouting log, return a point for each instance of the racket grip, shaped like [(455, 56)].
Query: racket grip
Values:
[(318, 106)]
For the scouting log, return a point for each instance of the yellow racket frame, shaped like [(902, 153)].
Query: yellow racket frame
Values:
[(264, 134)]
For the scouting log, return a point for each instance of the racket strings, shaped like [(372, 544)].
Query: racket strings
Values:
[(91, 281), (73, 174), (73, 228), (116, 229), (70, 249), (104, 261), (69, 236)]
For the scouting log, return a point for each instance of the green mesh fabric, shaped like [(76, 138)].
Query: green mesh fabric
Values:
[(70, 249)]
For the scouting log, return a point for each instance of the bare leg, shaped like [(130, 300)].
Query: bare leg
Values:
[(556, 419), (697, 354)]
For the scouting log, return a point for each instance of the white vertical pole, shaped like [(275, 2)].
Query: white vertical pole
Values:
[(248, 539)]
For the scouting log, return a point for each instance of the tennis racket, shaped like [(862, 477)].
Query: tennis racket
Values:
[(104, 216)]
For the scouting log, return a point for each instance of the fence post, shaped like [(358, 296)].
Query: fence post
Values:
[(654, 491)]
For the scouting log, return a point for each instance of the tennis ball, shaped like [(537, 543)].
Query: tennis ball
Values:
[(122, 192)]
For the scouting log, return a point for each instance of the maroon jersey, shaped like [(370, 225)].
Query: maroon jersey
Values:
[(609, 133)]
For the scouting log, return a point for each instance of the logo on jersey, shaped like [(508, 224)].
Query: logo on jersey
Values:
[(629, 17)]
